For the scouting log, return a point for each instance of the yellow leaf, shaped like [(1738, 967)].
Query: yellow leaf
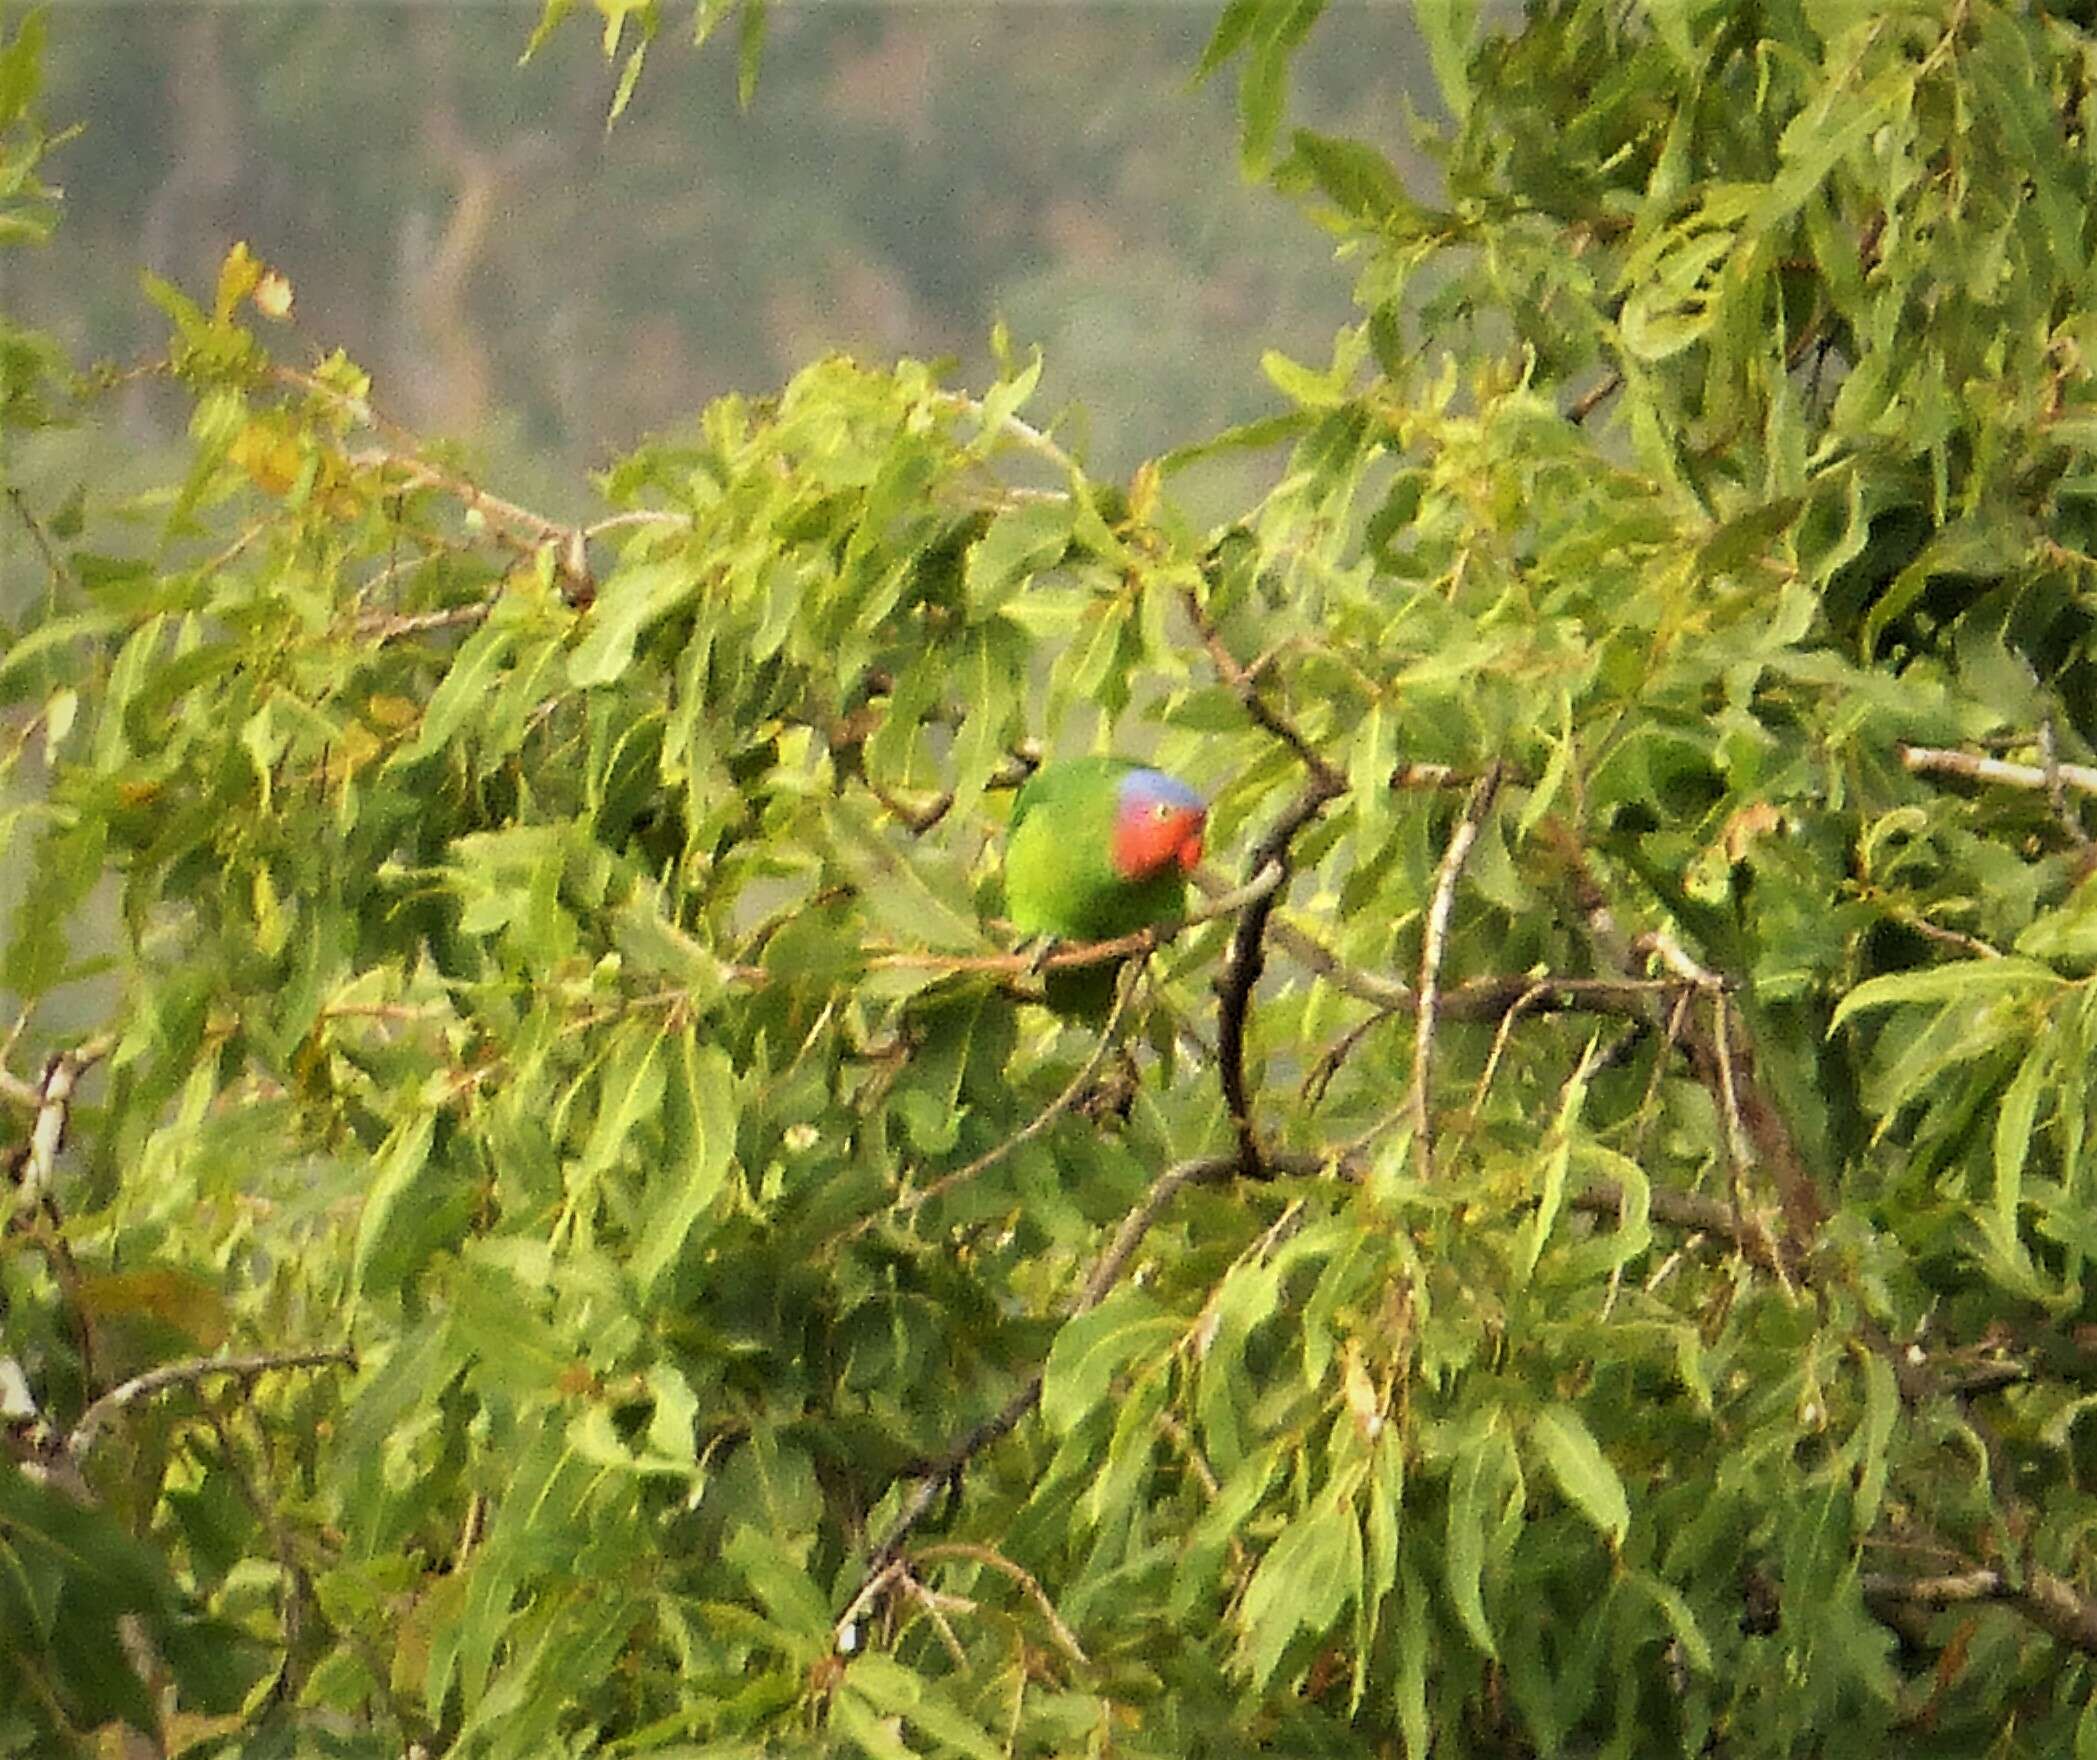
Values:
[(237, 277), (269, 454), (273, 295), (390, 711), (174, 1298)]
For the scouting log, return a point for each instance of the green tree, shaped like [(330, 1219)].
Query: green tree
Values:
[(571, 1231)]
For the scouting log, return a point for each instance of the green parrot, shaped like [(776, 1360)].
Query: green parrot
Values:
[(1098, 847)]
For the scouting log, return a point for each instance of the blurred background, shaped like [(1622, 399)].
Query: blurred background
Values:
[(519, 276), (546, 291)]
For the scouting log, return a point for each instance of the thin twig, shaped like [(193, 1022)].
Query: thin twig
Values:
[(936, 1612), (637, 516), (917, 820), (187, 1373), (61, 576), (384, 626), (2056, 795), (1501, 1035), (1593, 398), (1766, 1128), (1936, 761), (1055, 1109), (1205, 1476), (1014, 428), (1245, 686), (1431, 949), (1106, 1272), (1066, 1639), (507, 519)]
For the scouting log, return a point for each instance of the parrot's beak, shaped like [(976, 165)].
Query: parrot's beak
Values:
[(1190, 849)]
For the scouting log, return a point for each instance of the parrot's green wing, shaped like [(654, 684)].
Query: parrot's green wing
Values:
[(1060, 878)]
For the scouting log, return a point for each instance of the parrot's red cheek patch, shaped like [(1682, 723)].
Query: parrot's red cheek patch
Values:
[(1190, 852)]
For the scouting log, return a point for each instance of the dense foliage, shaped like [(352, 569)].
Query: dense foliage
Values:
[(568, 1230)]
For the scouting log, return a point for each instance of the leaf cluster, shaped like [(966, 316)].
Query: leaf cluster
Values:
[(1593, 1261)]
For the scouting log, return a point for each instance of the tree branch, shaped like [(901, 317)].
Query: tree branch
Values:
[(1245, 686), (1726, 1070), (1055, 1109), (2052, 1604), (1106, 1272), (1029, 1585), (188, 1373), (1431, 949), (61, 576), (514, 524), (1970, 766)]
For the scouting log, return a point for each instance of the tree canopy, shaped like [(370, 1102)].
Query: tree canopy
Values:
[(547, 1217)]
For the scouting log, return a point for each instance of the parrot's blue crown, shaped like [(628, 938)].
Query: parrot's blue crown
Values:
[(1145, 788)]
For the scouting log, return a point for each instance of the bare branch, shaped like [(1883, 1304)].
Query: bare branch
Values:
[(1765, 1128), (1431, 949), (188, 1373), (1242, 965), (1016, 768), (1594, 397), (385, 626), (61, 576), (1082, 953), (1054, 1110), (1970, 766), (1066, 1639), (1106, 1272), (1244, 684), (2055, 1606), (514, 524), (54, 1110), (935, 1607), (1015, 429)]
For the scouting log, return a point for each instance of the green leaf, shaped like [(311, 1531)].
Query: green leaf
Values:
[(463, 691), (1471, 1488), (1021, 541), (860, 1720), (1557, 1159), (1357, 179), (1311, 389), (1561, 1436), (925, 1704), (2014, 1119), (918, 896), (1233, 30), (1681, 1620), (1415, 1657), (396, 1169), (1304, 1583), (700, 1116), (1000, 404), (782, 1586), (1873, 1438), (635, 597), (629, 1095), (1090, 1350), (749, 50), (1448, 26), (1964, 981)]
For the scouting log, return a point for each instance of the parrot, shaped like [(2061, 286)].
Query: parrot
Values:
[(1098, 848)]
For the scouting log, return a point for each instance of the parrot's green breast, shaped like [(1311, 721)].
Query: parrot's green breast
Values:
[(1059, 859)]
